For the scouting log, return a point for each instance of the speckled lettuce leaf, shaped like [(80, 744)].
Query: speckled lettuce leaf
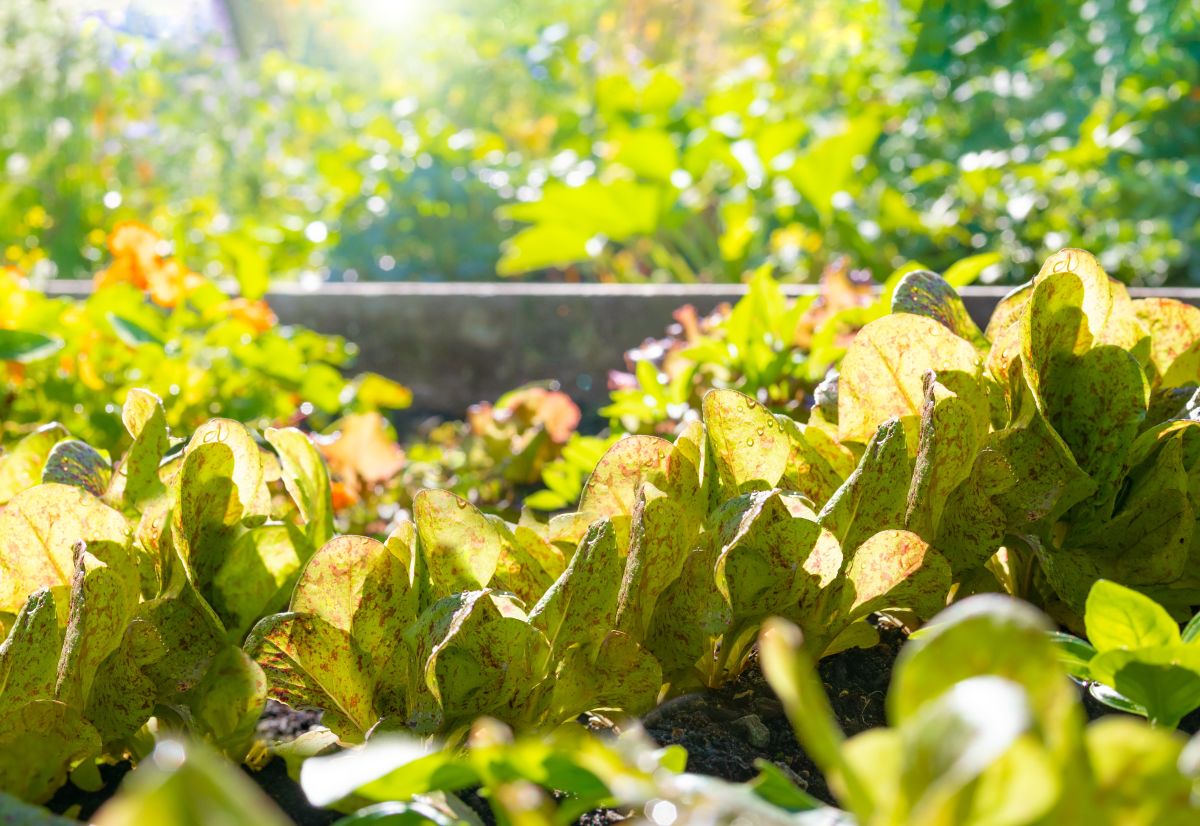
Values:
[(21, 464), (123, 695), (77, 463), (750, 448), (258, 574), (40, 742), (927, 294), (29, 655), (875, 496), (459, 546), (816, 465), (1111, 314), (953, 428), (225, 705), (248, 465), (136, 480), (338, 647), (690, 617), (611, 490), (665, 531), (1174, 329), (581, 605), (476, 655), (306, 479), (883, 371), (973, 525), (38, 531), (1004, 332), (611, 674), (527, 564), (207, 511)]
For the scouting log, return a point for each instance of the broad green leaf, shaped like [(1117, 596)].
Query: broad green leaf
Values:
[(258, 575), (898, 570), (29, 655), (964, 271), (690, 616), (26, 347), (104, 596), (874, 497), (390, 767), (459, 546), (21, 465), (1111, 315), (883, 372), (988, 635), (973, 523), (750, 447), (1074, 654), (247, 473), (377, 391), (123, 695), (77, 463), (611, 674), (38, 532), (1164, 679), (612, 488), (311, 664), (144, 419), (228, 701), (1139, 773), (927, 294), (581, 605), (527, 564), (1174, 329), (1119, 617), (664, 532), (132, 333), (181, 784), (306, 479), (207, 511), (39, 743)]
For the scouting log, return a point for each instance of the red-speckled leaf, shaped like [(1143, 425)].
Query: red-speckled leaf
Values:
[(690, 617), (29, 655), (614, 674), (39, 743), (311, 664), (523, 568), (21, 464), (77, 463), (883, 371), (750, 448), (306, 479), (207, 511), (137, 479), (247, 473), (258, 575), (122, 697), (926, 293), (38, 532), (104, 596), (611, 490), (1174, 329), (228, 701), (581, 605), (896, 569), (1004, 332), (952, 431), (875, 495), (189, 635), (664, 532), (809, 469), (1111, 314), (972, 525), (459, 546)]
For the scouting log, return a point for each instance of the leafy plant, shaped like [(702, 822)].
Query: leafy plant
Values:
[(985, 728), (152, 323), (676, 554), (1053, 452), (126, 589), (1135, 656)]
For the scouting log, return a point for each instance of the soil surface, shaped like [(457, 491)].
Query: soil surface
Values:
[(725, 731)]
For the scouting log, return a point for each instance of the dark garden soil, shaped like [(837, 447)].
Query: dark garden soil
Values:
[(727, 730)]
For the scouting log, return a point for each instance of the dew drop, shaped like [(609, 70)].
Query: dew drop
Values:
[(462, 503), (750, 442)]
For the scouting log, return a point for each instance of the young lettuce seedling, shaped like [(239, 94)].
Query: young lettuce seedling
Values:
[(1136, 658)]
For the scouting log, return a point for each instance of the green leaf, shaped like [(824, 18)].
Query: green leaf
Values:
[(25, 347), (181, 782), (258, 575), (77, 463), (227, 703), (376, 391), (131, 332), (38, 532), (21, 465), (29, 655), (613, 674), (927, 294), (1164, 680), (40, 742), (390, 767), (750, 448), (883, 372), (459, 546), (137, 474), (15, 813), (1074, 654), (306, 479), (965, 271), (874, 497), (612, 488), (898, 570), (1118, 617), (581, 606)]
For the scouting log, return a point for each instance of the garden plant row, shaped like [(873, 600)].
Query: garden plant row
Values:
[(1042, 474)]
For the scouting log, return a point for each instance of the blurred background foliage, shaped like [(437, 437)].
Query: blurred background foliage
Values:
[(624, 140)]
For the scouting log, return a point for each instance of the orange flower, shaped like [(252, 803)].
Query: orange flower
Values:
[(131, 239), (171, 282), (257, 314), (122, 271), (342, 496)]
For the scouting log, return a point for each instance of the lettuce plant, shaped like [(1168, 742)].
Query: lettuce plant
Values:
[(126, 589), (1135, 657), (985, 728), (656, 584), (1055, 450)]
